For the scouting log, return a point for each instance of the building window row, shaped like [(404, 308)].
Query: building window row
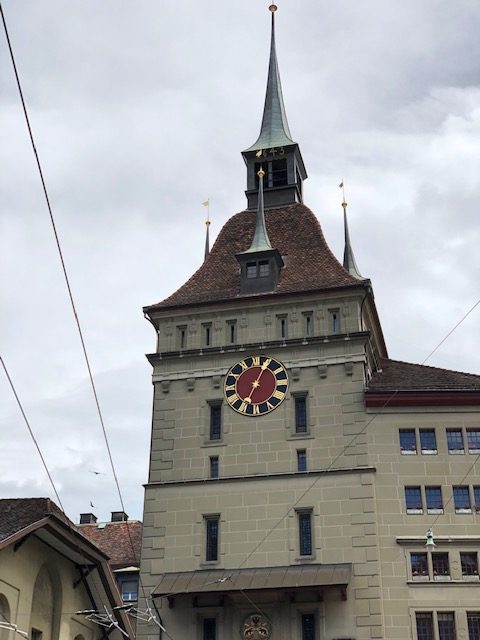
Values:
[(300, 419), (435, 566), (307, 622), (442, 625), (420, 499), (207, 335), (458, 441), (259, 270), (304, 528)]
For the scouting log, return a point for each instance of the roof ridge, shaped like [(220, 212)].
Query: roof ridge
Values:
[(428, 366)]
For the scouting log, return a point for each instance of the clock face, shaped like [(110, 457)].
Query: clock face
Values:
[(256, 385)]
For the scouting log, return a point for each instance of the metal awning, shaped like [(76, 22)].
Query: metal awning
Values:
[(223, 581)]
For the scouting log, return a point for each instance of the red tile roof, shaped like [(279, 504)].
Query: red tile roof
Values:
[(18, 513), (404, 376), (293, 230), (121, 541)]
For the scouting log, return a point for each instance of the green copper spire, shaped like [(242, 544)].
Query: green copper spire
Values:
[(261, 241), (274, 131), (348, 258)]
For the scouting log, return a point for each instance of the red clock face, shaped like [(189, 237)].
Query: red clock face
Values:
[(256, 385)]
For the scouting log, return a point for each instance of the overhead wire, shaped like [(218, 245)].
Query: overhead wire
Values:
[(67, 279), (89, 369)]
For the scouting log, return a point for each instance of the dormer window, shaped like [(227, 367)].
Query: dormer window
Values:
[(263, 269), (258, 269), (251, 269)]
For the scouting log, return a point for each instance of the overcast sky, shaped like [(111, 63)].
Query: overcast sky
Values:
[(140, 112)]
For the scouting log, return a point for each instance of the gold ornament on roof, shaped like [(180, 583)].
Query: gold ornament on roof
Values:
[(272, 8), (261, 173)]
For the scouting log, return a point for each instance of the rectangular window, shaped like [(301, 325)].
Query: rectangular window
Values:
[(408, 441), (129, 590), (36, 634), (263, 269), (231, 331), (211, 538), (207, 334), (251, 269), (301, 414), (215, 421), (473, 621), (282, 326), (308, 626), (469, 562), (428, 441), (413, 500), (476, 498), (334, 320), (214, 467), (446, 626), (424, 625), (308, 324), (305, 533), (473, 440), (433, 498), (301, 460), (440, 566), (455, 441), (419, 564), (181, 337), (209, 629), (461, 499)]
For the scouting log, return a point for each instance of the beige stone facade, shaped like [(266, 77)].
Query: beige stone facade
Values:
[(308, 519), (354, 486)]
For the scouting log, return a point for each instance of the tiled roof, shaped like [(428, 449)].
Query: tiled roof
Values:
[(116, 540), (18, 513), (404, 376), (293, 230)]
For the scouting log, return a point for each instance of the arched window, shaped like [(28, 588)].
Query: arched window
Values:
[(4, 616), (46, 606)]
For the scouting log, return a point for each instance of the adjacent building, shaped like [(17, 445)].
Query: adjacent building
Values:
[(121, 540), (295, 469), (48, 573)]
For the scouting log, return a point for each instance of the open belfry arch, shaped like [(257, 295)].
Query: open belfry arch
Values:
[(275, 506)]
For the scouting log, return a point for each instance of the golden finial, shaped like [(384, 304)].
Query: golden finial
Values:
[(342, 187), (207, 222), (272, 8), (261, 173)]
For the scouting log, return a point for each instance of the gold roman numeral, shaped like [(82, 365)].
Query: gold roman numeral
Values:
[(256, 410), (230, 387), (233, 398), (255, 361), (243, 364), (277, 371), (243, 407), (278, 394), (270, 406)]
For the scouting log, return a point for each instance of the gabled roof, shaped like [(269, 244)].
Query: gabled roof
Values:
[(42, 519), (18, 513), (293, 230), (395, 375), (121, 541)]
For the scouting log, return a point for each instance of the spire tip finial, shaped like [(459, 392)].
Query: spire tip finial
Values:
[(272, 8)]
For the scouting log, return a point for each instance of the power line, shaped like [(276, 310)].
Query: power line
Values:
[(341, 453), (37, 446)]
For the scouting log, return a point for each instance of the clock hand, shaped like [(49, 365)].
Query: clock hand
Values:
[(256, 383)]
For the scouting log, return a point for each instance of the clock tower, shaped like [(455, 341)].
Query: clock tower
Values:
[(261, 516)]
